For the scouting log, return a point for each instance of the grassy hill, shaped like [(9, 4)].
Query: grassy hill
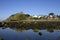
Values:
[(18, 16), (22, 16)]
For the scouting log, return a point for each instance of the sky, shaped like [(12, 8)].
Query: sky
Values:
[(32, 7)]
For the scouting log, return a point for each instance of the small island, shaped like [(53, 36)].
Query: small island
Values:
[(22, 16), (25, 20)]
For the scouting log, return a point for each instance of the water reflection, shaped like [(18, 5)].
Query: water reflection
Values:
[(29, 34), (50, 30), (40, 33), (58, 38), (1, 38)]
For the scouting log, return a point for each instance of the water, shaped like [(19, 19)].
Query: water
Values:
[(29, 34)]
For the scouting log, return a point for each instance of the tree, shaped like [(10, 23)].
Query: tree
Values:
[(51, 13), (27, 15), (58, 16)]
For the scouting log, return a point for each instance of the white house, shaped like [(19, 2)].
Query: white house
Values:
[(35, 16)]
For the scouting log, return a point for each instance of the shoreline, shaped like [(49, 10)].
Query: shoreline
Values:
[(33, 21)]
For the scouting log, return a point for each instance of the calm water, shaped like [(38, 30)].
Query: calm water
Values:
[(30, 34)]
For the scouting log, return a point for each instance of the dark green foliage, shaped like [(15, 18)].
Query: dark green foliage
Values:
[(27, 15), (51, 13)]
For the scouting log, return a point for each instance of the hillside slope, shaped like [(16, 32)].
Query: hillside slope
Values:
[(18, 16)]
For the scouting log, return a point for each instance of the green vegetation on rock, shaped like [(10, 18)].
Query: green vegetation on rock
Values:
[(22, 16), (18, 16)]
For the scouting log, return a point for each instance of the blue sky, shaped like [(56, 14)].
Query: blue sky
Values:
[(32, 7)]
